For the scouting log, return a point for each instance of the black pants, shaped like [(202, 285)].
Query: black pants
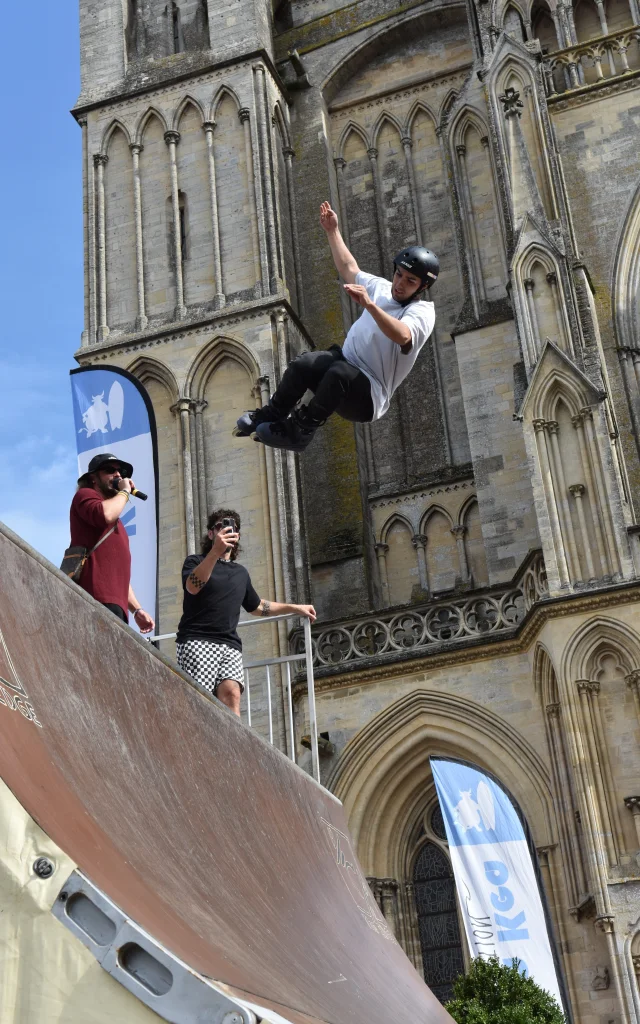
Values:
[(337, 385), (117, 610)]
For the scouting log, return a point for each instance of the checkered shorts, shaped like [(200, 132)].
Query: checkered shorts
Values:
[(209, 663)]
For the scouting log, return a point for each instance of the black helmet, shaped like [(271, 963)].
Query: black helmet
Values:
[(419, 261)]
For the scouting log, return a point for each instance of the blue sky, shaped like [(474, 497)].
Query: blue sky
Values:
[(41, 262)]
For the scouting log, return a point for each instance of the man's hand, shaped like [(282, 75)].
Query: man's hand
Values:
[(359, 294), (143, 621), (224, 540), (328, 218), (124, 484), (307, 611)]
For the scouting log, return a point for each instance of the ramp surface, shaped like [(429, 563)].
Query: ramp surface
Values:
[(209, 838)]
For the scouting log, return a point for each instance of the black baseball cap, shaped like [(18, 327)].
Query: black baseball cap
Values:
[(98, 461)]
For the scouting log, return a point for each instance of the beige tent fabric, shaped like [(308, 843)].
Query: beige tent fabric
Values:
[(46, 974)]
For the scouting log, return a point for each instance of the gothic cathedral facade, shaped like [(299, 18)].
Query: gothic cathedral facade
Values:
[(474, 556)]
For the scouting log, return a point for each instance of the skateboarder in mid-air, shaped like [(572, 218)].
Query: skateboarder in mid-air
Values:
[(357, 380)]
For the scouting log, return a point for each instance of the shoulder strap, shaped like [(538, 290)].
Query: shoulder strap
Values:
[(103, 538)]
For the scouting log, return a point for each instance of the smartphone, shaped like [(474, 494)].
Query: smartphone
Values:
[(229, 522)]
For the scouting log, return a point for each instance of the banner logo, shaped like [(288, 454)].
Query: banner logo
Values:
[(479, 813), (101, 416)]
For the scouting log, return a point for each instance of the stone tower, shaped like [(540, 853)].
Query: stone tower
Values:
[(475, 555)]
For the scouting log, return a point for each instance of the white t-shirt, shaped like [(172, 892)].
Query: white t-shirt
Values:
[(376, 355)]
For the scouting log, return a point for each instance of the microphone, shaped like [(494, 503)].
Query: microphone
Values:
[(134, 491)]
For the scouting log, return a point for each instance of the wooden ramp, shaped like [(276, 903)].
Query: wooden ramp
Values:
[(208, 838)]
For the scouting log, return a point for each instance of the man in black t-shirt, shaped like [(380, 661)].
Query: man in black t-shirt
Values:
[(215, 588)]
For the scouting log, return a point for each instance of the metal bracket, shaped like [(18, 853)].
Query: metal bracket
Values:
[(158, 979)]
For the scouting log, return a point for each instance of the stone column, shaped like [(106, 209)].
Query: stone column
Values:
[(199, 407), (633, 682), (100, 162), (459, 534), (632, 803), (375, 885), (552, 507), (258, 242), (606, 923), (564, 336), (563, 502), (578, 490), (596, 512), (372, 153), (476, 279), (630, 361), (282, 321), (340, 163), (218, 298), (183, 408), (288, 155), (587, 690), (141, 321), (496, 201), (272, 495), (93, 248), (529, 285), (349, 306), (407, 145), (603, 18), (389, 903), (420, 543), (259, 73), (86, 333), (573, 862), (601, 488), (381, 552), (172, 139)]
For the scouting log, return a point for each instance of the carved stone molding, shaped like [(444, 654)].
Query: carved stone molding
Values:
[(511, 102), (605, 923)]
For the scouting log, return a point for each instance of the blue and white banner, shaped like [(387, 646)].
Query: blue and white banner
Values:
[(113, 413), (495, 877)]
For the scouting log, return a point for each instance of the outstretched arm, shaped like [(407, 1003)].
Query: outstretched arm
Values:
[(395, 330), (276, 608), (343, 259)]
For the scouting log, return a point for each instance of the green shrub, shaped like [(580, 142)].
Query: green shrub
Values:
[(491, 993)]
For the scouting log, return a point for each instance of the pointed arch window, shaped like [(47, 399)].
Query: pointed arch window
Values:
[(514, 25), (435, 896)]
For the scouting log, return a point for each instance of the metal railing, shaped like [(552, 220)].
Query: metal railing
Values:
[(304, 654)]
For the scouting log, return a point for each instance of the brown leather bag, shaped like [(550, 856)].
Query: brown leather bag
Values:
[(75, 557)]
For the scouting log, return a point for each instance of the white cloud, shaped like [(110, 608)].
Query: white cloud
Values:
[(37, 506)]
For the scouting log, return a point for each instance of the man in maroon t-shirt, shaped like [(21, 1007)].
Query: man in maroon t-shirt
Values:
[(103, 491)]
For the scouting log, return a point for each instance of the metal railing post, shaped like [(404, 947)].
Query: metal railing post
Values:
[(269, 705), (287, 661), (292, 733), (313, 724)]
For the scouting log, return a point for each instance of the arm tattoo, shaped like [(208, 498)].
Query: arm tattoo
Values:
[(196, 582), (265, 607)]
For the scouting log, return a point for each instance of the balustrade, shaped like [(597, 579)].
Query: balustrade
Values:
[(604, 58), (431, 625)]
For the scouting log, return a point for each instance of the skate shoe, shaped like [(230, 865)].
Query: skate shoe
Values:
[(247, 423), (292, 435)]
